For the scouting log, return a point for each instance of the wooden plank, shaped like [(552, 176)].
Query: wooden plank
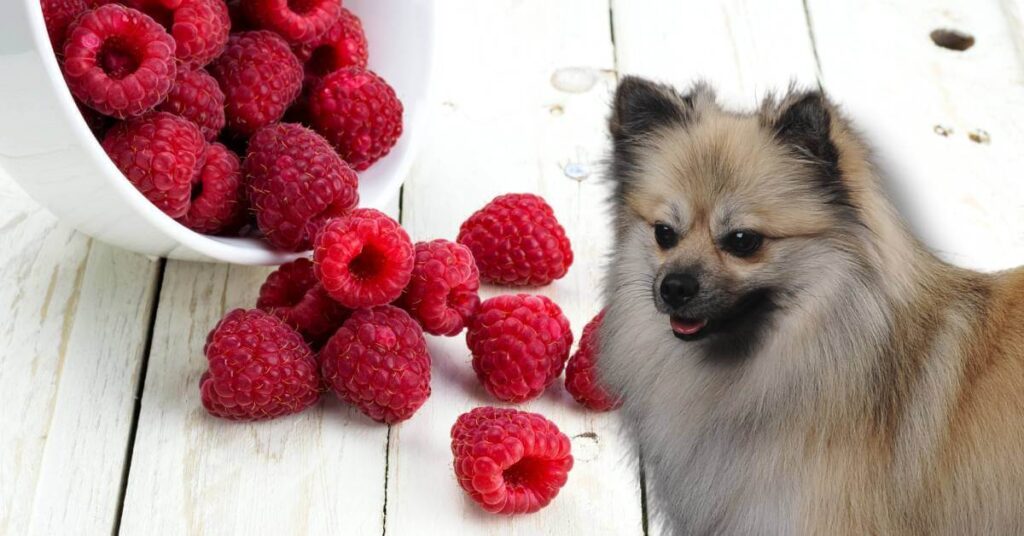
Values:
[(744, 48), (502, 124), (319, 472), (920, 105), (75, 320)]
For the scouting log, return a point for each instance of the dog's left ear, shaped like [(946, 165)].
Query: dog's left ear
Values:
[(804, 122), (642, 106)]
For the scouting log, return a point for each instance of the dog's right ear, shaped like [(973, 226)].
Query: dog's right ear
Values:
[(642, 106)]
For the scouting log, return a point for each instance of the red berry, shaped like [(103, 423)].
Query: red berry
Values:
[(359, 113), (160, 154), (344, 45), (298, 21), (199, 27), (217, 192), (363, 260), (581, 376), (510, 461), (293, 294), (519, 344), (442, 294), (296, 182), (119, 61), (260, 78), (259, 369), (378, 361), (58, 14), (197, 97), (517, 241)]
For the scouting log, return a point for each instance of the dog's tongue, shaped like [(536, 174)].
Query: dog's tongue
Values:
[(687, 327)]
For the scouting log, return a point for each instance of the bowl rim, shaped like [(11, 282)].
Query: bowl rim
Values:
[(234, 250)]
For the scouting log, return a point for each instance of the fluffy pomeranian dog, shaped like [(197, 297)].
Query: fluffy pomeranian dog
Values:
[(792, 360)]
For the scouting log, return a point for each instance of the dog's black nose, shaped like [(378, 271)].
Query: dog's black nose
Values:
[(677, 289)]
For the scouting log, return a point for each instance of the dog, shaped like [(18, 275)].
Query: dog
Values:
[(791, 359)]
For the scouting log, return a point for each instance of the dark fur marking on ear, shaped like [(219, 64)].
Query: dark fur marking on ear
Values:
[(805, 125), (640, 107)]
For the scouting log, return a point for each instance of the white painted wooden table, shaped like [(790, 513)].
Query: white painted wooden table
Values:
[(101, 429)]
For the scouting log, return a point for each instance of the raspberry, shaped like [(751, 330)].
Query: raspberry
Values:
[(296, 181), (378, 361), (260, 78), (298, 21), (442, 294), (199, 27), (363, 260), (59, 14), (160, 154), (259, 369), (359, 113), (510, 461), (344, 45), (216, 193), (293, 294), (119, 61), (580, 375), (519, 344), (197, 97), (517, 241)]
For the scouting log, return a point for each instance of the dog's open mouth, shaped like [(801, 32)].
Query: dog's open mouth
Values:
[(688, 329)]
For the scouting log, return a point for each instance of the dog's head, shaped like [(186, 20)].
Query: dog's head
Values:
[(726, 217)]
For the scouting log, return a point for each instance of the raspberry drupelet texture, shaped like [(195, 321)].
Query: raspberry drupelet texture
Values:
[(580, 373), (199, 27), (442, 293), (297, 21), (517, 241), (160, 154), (296, 182), (119, 61), (197, 97), (510, 461), (259, 369), (217, 195), (293, 294), (343, 45), (359, 113), (378, 361), (519, 343), (364, 259), (260, 78), (58, 15)]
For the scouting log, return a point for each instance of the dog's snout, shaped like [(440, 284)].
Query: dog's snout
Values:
[(677, 289)]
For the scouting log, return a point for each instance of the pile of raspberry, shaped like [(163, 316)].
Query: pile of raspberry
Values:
[(352, 320), (198, 105)]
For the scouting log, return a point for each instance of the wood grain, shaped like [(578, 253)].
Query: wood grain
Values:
[(945, 124), (74, 324), (319, 472), (522, 93)]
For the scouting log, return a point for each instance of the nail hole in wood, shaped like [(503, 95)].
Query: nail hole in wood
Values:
[(952, 39)]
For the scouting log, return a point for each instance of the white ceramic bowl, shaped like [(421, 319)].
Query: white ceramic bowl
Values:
[(48, 149)]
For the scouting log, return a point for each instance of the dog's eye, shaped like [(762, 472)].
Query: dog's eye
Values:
[(742, 243), (665, 236)]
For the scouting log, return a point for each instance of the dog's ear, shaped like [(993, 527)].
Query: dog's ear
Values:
[(804, 122), (641, 106)]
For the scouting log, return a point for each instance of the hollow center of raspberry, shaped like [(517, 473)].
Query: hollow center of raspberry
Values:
[(528, 472), (303, 6), (197, 190), (118, 59), (322, 63), (368, 263)]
